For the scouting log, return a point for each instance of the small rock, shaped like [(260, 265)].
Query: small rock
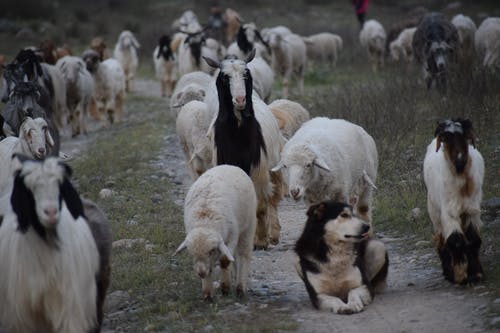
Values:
[(414, 214), (128, 243), (106, 193), (208, 328), (156, 197), (497, 301), (495, 321)]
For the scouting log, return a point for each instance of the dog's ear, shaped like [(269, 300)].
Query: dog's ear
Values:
[(317, 211)]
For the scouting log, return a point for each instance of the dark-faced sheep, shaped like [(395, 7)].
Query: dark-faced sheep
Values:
[(435, 44)]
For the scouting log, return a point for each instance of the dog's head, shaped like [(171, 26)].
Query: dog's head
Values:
[(338, 222)]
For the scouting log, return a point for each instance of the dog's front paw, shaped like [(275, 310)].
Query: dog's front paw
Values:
[(346, 310)]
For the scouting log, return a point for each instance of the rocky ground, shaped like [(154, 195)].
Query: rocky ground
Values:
[(417, 298)]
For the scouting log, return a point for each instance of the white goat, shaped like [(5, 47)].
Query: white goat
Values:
[(290, 116), (402, 46), (372, 38), (453, 175), (79, 91), (192, 125), (126, 53), (466, 30), (49, 258), (109, 79), (263, 77), (220, 221), (323, 47), (331, 159), (487, 41), (59, 103), (289, 56), (190, 87)]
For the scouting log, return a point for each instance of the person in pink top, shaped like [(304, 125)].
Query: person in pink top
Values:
[(360, 7)]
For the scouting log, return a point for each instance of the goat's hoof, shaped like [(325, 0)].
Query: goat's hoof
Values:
[(224, 288), (240, 291)]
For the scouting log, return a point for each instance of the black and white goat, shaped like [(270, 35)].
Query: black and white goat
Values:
[(247, 135), (453, 175), (435, 45), (54, 262), (190, 53), (165, 65), (248, 39)]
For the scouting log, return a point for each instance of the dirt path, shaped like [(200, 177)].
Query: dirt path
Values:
[(417, 298)]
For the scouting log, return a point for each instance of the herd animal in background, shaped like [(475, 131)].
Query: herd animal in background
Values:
[(242, 152)]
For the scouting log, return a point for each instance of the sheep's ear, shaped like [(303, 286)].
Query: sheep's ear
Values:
[(211, 62), (225, 251), (320, 163), (250, 56), (181, 247), (278, 167)]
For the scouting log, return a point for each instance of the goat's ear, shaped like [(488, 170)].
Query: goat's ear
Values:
[(225, 251), (22, 203), (211, 62), (71, 198), (317, 211), (250, 56), (135, 42), (468, 132), (181, 247)]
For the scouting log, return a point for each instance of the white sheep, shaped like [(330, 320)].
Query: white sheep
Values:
[(289, 57), (190, 87), (192, 125), (401, 47), (263, 77), (372, 38), (290, 116), (165, 63), (187, 22), (324, 47), (50, 261), (331, 159), (79, 91), (279, 29), (126, 53), (220, 221), (487, 41), (466, 30), (453, 174), (59, 104), (109, 92)]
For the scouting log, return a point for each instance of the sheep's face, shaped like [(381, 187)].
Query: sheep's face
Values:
[(37, 136), (302, 168), (274, 40), (455, 135), (91, 59), (71, 70), (44, 181)]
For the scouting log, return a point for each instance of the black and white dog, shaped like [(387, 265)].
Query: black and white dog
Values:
[(340, 266)]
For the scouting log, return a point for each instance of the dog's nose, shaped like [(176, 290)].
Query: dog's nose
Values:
[(294, 193), (365, 228)]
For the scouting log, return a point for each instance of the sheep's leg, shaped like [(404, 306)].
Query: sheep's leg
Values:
[(207, 287), (285, 87), (474, 269), (119, 107), (170, 87), (274, 224), (300, 80), (225, 281), (243, 267), (261, 241)]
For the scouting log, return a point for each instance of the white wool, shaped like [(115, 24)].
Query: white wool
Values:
[(323, 47), (402, 46), (444, 200), (372, 38), (191, 86), (290, 116), (126, 53), (487, 41)]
